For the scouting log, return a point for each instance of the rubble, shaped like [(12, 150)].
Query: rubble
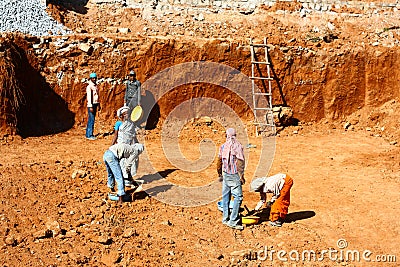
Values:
[(28, 17)]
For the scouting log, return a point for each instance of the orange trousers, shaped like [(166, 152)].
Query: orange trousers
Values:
[(279, 208)]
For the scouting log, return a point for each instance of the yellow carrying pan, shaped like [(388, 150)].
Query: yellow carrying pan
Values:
[(137, 113)]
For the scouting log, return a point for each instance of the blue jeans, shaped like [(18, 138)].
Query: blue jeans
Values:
[(231, 186), (90, 122), (114, 172)]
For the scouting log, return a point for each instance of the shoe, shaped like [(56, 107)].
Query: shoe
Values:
[(276, 223), (91, 138), (225, 223), (260, 204), (113, 196), (123, 198), (236, 227)]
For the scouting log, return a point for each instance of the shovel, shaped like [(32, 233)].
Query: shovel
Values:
[(249, 213)]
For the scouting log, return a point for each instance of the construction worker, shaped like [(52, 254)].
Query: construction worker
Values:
[(132, 92), (93, 105), (112, 158), (279, 185), (231, 166), (125, 133)]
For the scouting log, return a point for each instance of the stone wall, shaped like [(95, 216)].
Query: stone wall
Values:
[(249, 5)]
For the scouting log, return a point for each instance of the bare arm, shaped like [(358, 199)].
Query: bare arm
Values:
[(139, 93), (126, 94), (115, 137), (219, 167), (240, 168)]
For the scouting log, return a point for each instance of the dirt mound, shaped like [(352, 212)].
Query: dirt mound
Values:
[(381, 121), (30, 106)]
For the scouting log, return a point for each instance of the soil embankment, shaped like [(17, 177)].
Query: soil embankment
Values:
[(317, 85)]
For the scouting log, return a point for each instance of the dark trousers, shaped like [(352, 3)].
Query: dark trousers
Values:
[(90, 122)]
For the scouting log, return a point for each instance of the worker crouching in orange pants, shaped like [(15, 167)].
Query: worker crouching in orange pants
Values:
[(279, 185)]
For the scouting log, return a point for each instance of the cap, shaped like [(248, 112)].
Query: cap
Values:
[(132, 73), (122, 110), (93, 75)]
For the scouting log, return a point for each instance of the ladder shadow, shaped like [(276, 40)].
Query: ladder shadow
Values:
[(276, 79)]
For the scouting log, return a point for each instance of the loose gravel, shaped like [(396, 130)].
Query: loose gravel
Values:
[(28, 17)]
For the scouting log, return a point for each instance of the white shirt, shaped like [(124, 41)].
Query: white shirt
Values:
[(126, 133), (130, 152), (92, 94), (272, 184)]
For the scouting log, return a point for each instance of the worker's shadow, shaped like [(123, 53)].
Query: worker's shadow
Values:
[(151, 111), (155, 190), (290, 217), (148, 178)]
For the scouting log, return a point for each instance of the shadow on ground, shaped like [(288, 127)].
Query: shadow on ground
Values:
[(78, 6), (290, 217)]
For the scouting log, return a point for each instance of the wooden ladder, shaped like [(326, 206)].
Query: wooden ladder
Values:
[(262, 100)]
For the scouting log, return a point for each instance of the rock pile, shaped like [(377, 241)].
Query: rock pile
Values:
[(28, 17)]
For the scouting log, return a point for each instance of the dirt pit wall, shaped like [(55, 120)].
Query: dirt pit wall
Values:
[(317, 84)]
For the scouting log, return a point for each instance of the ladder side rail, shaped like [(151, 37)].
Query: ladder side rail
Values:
[(252, 82)]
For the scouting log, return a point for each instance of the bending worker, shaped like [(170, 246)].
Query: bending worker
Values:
[(112, 159), (279, 185)]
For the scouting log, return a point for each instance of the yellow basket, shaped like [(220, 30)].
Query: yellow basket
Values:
[(250, 220), (137, 113)]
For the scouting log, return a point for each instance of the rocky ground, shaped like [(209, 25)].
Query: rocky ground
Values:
[(55, 209)]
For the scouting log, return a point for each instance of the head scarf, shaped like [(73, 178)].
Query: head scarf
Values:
[(232, 146)]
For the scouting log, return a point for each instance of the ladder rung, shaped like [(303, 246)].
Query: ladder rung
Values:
[(261, 94), (263, 123), (261, 78), (260, 62), (262, 108), (259, 45)]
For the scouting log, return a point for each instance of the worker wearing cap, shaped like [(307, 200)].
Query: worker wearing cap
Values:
[(125, 133), (122, 116), (92, 98), (132, 92)]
